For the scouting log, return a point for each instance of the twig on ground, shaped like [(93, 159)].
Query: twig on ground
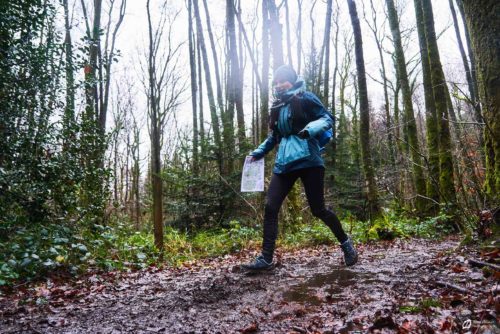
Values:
[(480, 264), (454, 287), (299, 329)]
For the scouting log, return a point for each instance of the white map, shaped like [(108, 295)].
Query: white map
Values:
[(252, 178)]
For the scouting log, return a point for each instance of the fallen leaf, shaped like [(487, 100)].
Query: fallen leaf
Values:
[(250, 329), (458, 268)]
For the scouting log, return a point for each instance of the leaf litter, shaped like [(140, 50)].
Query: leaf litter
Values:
[(402, 286)]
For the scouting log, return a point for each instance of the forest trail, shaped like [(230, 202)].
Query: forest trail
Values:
[(397, 287)]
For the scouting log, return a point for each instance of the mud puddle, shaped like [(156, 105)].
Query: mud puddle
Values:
[(326, 286)]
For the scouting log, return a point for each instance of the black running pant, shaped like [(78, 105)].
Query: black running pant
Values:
[(281, 184)]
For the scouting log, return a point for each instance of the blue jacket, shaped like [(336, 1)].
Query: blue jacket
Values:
[(293, 152)]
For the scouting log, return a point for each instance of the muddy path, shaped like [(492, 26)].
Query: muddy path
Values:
[(404, 286)]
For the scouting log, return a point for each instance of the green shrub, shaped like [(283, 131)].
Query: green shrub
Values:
[(34, 251)]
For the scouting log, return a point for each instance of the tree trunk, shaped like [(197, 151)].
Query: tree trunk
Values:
[(431, 116), (91, 68), (288, 37), (255, 72), (240, 115), (299, 37), (136, 173), (473, 71), (446, 183), (418, 174), (155, 140), (312, 65), (264, 90), (69, 113), (325, 56), (471, 84), (250, 49), (364, 124), (483, 20), (218, 81), (336, 46), (465, 61), (234, 91), (208, 80), (192, 66), (108, 61), (200, 99), (388, 124), (276, 34)]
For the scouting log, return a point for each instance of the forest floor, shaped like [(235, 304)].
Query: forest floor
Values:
[(401, 286)]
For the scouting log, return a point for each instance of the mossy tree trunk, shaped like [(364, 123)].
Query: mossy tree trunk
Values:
[(411, 125), (431, 117), (446, 177), (483, 20)]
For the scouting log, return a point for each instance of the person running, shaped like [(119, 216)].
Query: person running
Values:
[(297, 119)]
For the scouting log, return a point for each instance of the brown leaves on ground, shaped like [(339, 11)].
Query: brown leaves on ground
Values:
[(393, 289)]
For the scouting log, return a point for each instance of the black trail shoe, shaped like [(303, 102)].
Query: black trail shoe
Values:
[(258, 265), (350, 253)]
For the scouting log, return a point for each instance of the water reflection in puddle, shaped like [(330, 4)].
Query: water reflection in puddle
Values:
[(325, 287)]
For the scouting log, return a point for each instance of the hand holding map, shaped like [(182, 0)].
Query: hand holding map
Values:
[(252, 177)]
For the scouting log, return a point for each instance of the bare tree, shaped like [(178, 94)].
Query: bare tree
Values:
[(164, 87), (109, 55)]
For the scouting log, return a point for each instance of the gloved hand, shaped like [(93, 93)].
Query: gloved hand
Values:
[(253, 159), (304, 134)]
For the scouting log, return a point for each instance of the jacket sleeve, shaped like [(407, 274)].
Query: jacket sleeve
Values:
[(321, 119), (266, 146)]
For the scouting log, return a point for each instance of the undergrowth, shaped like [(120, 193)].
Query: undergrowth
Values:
[(36, 251)]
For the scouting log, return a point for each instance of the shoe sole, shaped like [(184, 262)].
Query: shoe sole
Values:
[(250, 270), (352, 264)]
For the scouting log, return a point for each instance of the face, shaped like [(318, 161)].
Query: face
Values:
[(281, 86)]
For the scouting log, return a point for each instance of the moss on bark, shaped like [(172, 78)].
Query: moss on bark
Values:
[(446, 177), (430, 115), (483, 20)]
